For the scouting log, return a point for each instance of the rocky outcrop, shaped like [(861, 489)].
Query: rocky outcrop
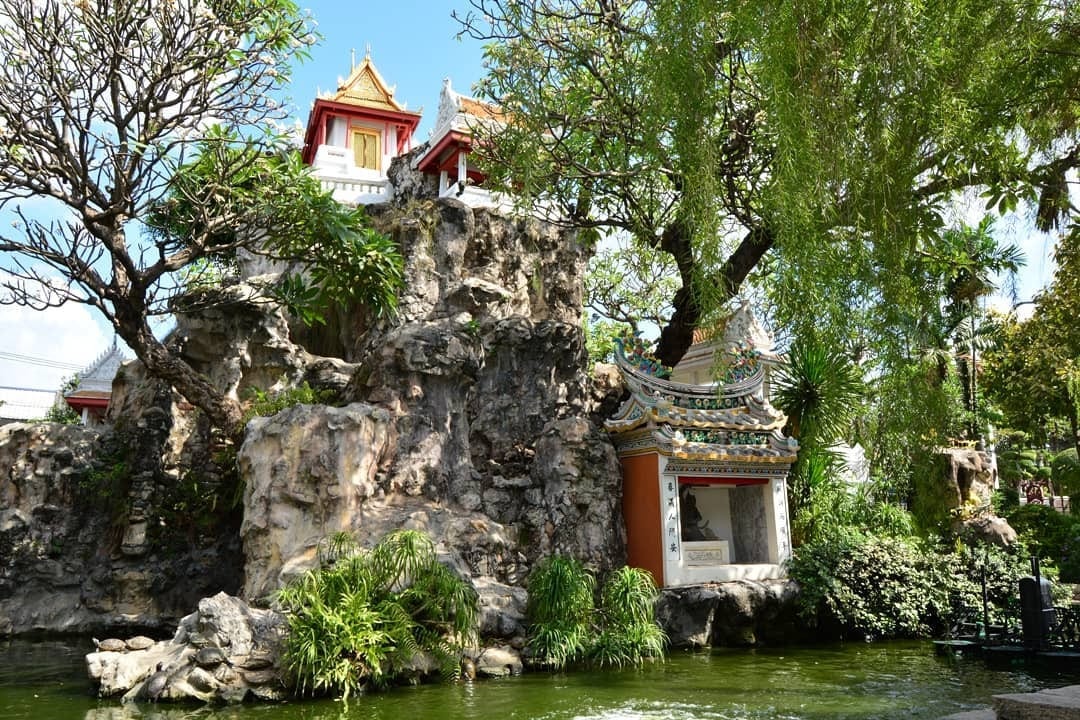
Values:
[(308, 471), (958, 494), (469, 414), (89, 534), (226, 651), (733, 614)]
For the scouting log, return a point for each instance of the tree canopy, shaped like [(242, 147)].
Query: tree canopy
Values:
[(137, 140), (816, 144)]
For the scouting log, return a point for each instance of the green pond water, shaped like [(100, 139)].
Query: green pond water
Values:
[(46, 681)]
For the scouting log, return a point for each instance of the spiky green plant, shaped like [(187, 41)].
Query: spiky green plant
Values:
[(630, 633), (358, 619), (560, 609), (568, 627)]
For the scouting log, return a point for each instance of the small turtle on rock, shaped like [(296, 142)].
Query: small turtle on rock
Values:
[(110, 645), (156, 685), (210, 657), (139, 642)]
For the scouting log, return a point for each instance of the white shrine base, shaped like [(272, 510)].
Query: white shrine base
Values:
[(697, 575)]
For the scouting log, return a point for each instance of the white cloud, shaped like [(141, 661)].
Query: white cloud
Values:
[(68, 334)]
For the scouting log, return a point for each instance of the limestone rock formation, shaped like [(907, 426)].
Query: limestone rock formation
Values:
[(480, 410), (959, 494), (735, 614), (470, 414), (93, 533), (309, 470), (226, 651)]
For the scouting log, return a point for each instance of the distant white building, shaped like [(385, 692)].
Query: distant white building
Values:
[(91, 394), (23, 404)]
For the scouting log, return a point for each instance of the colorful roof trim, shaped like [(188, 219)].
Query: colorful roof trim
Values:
[(731, 421)]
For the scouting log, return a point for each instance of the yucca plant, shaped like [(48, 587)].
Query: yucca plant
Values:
[(360, 617)]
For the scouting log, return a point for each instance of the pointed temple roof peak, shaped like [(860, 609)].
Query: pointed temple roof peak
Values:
[(365, 87)]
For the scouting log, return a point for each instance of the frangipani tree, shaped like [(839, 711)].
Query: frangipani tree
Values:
[(119, 113)]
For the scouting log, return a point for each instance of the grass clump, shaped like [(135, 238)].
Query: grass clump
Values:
[(358, 621), (566, 626), (264, 403)]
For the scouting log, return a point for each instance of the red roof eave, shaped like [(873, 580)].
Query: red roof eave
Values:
[(462, 142), (78, 403), (408, 120)]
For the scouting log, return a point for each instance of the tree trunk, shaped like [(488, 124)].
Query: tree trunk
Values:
[(677, 337), (223, 411), (1073, 423)]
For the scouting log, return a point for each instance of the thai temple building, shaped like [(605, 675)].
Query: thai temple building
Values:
[(354, 133), (91, 394), (704, 463)]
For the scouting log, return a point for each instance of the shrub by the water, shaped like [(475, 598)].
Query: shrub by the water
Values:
[(567, 627), (1053, 536), (868, 586), (359, 619), (859, 584)]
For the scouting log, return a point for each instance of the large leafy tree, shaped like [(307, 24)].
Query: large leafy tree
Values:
[(1033, 372), (813, 142), (136, 142)]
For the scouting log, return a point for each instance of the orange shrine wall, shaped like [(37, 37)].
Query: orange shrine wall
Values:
[(641, 512)]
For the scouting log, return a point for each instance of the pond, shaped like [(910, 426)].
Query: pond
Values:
[(46, 681)]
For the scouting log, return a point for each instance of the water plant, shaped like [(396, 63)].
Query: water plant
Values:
[(362, 617), (567, 627)]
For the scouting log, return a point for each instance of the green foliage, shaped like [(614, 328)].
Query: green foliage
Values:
[(266, 403), (1065, 472), (288, 217), (861, 584), (566, 626), (62, 413), (1051, 535), (629, 631), (866, 586), (819, 389), (358, 619), (560, 610)]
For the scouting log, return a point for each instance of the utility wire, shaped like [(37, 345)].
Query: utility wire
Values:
[(40, 362), (26, 389)]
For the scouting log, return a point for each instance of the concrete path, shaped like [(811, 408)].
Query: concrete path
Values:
[(1054, 704)]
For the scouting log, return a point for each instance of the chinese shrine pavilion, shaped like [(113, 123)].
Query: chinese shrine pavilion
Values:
[(704, 464)]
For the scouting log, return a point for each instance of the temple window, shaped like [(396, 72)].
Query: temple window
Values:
[(335, 131)]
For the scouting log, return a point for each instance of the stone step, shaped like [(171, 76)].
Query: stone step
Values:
[(1054, 704)]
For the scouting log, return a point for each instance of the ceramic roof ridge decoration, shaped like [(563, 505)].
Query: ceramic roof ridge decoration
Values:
[(731, 421)]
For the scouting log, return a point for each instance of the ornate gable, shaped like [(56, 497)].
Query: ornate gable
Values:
[(365, 87)]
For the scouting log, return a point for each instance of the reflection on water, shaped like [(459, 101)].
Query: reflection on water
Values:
[(43, 681)]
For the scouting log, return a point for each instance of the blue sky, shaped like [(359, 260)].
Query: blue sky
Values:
[(413, 43)]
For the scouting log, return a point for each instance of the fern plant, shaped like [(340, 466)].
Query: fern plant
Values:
[(358, 620)]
